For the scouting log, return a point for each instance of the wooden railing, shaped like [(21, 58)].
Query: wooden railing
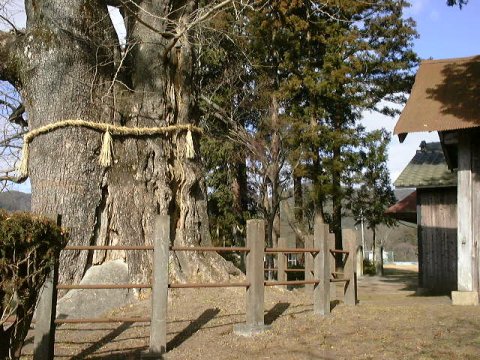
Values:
[(317, 270)]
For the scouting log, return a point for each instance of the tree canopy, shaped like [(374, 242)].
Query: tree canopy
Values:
[(324, 64), (278, 88)]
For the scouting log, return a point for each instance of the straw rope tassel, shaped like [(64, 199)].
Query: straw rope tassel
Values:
[(23, 167), (190, 150), (105, 158), (106, 155)]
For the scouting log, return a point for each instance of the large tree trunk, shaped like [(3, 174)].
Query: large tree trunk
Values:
[(273, 175), (240, 201), (71, 67)]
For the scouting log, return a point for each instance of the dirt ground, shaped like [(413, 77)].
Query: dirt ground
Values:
[(389, 322)]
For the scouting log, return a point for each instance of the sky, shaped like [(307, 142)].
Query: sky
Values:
[(445, 32)]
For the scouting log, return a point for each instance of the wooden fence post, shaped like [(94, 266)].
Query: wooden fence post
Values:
[(282, 261), (44, 340), (158, 326), (309, 259), (332, 260), (255, 276), (360, 260), (349, 269), (321, 292)]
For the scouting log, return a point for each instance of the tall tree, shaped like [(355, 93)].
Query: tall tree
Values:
[(375, 194), (68, 64), (224, 102), (362, 57)]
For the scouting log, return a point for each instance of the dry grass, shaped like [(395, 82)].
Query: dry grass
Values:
[(390, 322)]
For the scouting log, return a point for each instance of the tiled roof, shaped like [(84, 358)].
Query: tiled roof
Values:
[(405, 209), (427, 169), (445, 96)]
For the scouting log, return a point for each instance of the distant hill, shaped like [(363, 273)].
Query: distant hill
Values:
[(401, 239), (15, 201)]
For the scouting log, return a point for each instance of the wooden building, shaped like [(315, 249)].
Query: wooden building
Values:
[(434, 209), (446, 98)]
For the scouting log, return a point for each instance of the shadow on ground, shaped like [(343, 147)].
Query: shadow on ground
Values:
[(192, 328), (141, 352), (103, 341), (408, 278), (275, 312)]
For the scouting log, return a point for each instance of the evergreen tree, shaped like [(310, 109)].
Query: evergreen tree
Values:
[(375, 194), (365, 57), (460, 3), (222, 79)]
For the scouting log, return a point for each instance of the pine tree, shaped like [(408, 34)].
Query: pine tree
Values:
[(375, 193), (365, 56)]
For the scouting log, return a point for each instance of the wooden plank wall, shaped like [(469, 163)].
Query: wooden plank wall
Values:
[(438, 237), (476, 211)]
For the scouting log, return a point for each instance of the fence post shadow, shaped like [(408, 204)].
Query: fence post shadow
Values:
[(275, 312), (192, 328), (105, 340)]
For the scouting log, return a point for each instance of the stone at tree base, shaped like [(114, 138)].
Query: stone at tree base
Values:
[(95, 302), (465, 298)]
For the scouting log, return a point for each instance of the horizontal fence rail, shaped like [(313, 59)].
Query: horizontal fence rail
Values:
[(286, 270), (334, 251), (207, 285), (103, 320), (290, 250), (103, 286), (209, 249), (109, 247), (319, 276), (291, 282)]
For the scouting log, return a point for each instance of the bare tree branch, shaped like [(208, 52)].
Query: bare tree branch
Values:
[(297, 228), (236, 132), (16, 116), (199, 17)]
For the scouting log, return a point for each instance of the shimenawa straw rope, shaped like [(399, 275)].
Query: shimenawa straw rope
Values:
[(109, 130)]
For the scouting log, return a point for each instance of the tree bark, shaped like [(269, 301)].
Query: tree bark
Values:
[(8, 57), (70, 67), (240, 200), (377, 250), (298, 207), (273, 175)]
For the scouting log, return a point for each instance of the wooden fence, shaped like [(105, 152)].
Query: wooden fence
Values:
[(319, 276)]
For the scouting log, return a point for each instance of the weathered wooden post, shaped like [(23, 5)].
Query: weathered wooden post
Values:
[(46, 312), (359, 260), (282, 261), (321, 292), (158, 326), (468, 203), (309, 259), (349, 244), (255, 276), (332, 260)]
